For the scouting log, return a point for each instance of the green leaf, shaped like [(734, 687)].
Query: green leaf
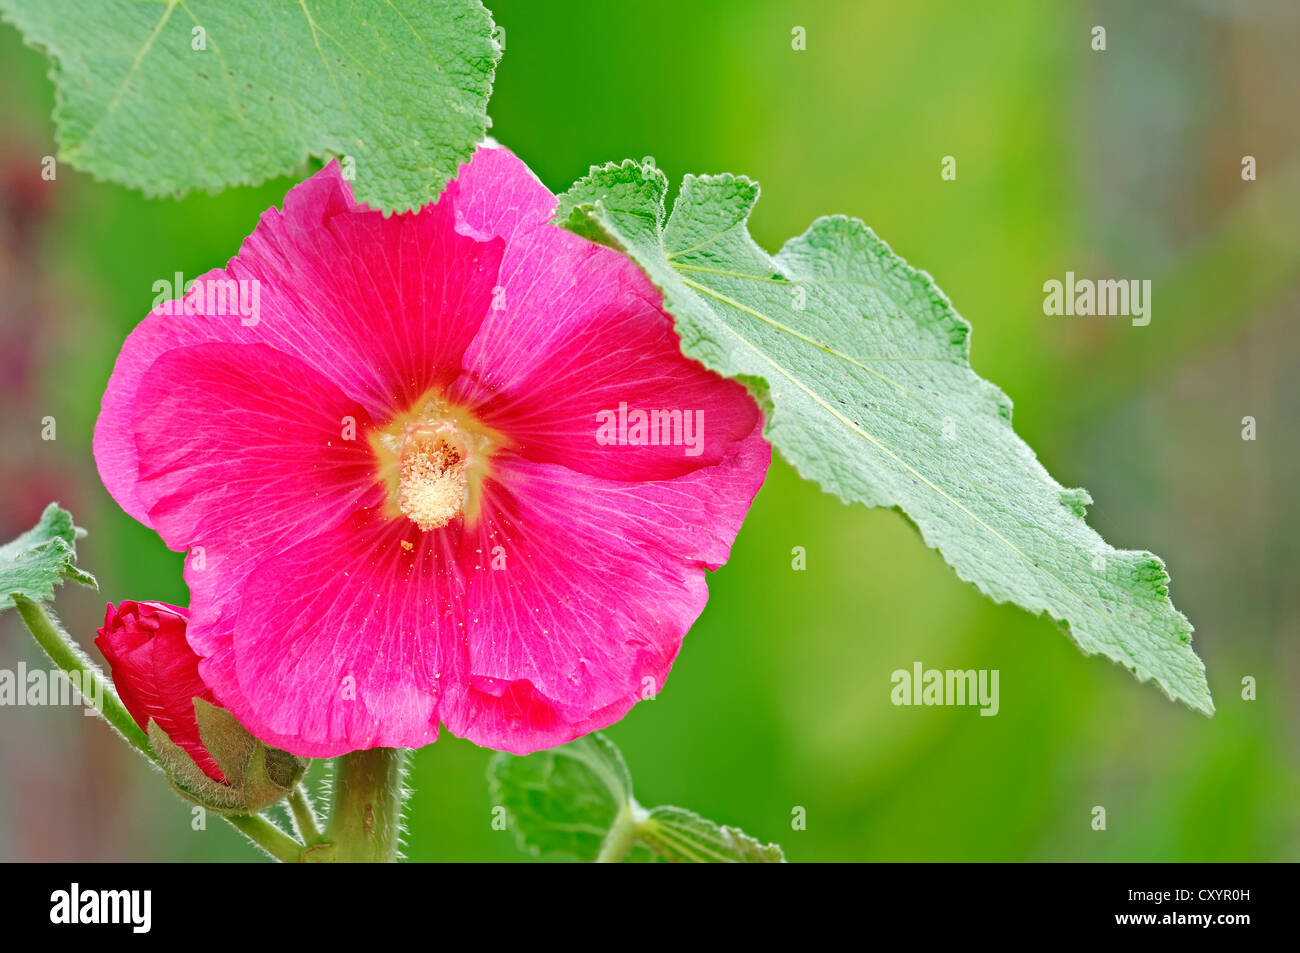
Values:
[(576, 802), (862, 366), (34, 563), (400, 86), (562, 802), (682, 836)]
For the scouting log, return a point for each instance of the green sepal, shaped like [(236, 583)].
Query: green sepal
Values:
[(230, 743), (264, 775), (271, 775), (188, 779), (258, 774)]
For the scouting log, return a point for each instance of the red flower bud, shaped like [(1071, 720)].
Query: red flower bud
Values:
[(157, 673)]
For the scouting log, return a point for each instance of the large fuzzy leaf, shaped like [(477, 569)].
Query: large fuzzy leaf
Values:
[(174, 95), (862, 363)]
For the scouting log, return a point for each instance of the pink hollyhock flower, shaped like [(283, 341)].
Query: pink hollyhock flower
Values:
[(156, 673), (390, 476)]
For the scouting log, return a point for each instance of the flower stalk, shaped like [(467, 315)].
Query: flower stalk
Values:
[(622, 834), (64, 653), (267, 836), (366, 802), (304, 816)]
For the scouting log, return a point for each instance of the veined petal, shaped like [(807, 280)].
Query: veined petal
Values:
[(382, 307), (347, 641), (598, 583), (245, 450)]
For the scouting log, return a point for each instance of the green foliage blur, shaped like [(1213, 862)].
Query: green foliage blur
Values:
[(1123, 163)]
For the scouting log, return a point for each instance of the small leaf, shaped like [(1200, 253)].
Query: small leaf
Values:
[(862, 367), (575, 801), (681, 836), (562, 802), (38, 560), (169, 96)]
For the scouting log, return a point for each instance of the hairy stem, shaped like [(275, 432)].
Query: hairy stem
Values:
[(275, 842), (304, 816), (94, 687), (366, 801)]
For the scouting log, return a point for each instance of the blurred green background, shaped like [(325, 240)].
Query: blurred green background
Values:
[(1124, 163)]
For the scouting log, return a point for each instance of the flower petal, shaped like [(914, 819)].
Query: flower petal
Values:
[(243, 451), (551, 281), (578, 331), (344, 642), (619, 400), (383, 307), (601, 581), (371, 633)]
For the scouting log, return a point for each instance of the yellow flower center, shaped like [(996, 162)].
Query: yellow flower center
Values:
[(433, 459), (432, 485)]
